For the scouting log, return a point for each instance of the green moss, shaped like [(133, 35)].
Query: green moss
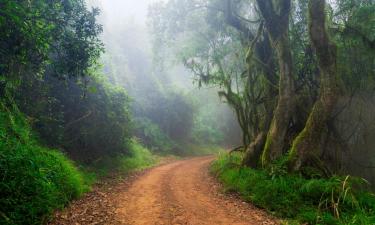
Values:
[(292, 155), (310, 134), (266, 152), (295, 198)]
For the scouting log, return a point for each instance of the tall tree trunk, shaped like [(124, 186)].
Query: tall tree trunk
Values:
[(262, 49), (254, 150), (276, 16), (307, 147)]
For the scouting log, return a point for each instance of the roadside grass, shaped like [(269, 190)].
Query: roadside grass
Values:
[(34, 181), (338, 200)]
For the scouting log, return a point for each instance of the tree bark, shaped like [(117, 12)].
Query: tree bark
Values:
[(307, 147), (276, 16), (254, 151)]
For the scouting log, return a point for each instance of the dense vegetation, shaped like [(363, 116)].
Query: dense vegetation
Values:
[(299, 77)]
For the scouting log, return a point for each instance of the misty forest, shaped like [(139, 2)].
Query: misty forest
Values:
[(187, 112)]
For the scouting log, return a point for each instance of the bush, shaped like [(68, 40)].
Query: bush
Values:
[(137, 158), (313, 201), (33, 180), (153, 136)]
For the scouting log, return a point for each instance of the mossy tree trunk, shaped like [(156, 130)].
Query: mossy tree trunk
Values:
[(276, 16), (254, 151), (307, 147), (259, 45)]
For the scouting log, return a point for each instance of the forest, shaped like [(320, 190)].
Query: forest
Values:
[(187, 112)]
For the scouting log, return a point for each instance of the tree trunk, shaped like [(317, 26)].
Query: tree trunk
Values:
[(276, 15), (307, 147), (274, 38), (254, 151)]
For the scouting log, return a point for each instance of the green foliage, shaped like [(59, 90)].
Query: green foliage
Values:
[(138, 157), (337, 200), (46, 43), (33, 180), (100, 123), (152, 135), (172, 111), (88, 120), (165, 123), (35, 36)]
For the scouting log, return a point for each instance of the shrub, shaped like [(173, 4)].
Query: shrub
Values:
[(137, 158)]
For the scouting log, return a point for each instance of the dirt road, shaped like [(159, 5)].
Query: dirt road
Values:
[(181, 192)]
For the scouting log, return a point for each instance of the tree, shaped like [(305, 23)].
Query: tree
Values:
[(307, 145), (276, 16)]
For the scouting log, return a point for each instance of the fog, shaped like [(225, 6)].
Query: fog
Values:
[(118, 11), (159, 92), (125, 26)]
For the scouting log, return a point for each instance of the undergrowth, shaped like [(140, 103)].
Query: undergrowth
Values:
[(33, 180), (337, 200), (138, 158)]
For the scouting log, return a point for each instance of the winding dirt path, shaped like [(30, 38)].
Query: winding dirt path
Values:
[(177, 193), (183, 193)]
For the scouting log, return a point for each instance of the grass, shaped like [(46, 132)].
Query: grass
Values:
[(34, 180), (296, 198)]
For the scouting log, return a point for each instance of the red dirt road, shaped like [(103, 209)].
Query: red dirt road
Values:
[(177, 193), (183, 193)]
